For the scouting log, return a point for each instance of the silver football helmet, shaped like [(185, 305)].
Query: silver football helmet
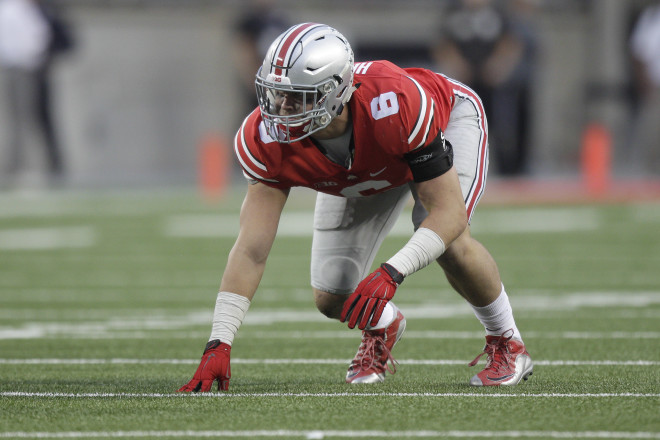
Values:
[(305, 81)]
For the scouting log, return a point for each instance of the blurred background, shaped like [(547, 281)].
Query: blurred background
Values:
[(149, 93)]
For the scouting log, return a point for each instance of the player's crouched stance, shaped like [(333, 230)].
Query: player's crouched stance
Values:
[(365, 136)]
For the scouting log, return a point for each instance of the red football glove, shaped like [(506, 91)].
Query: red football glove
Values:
[(368, 301), (214, 366)]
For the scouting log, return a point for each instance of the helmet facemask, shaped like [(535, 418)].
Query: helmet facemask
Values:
[(304, 82), (294, 111)]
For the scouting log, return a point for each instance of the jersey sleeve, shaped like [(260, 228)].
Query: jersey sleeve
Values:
[(402, 109), (248, 144), (429, 155), (418, 109)]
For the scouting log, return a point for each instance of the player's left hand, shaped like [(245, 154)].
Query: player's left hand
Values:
[(367, 303)]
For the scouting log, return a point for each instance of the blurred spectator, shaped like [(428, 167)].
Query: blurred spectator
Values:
[(491, 47), (645, 48), (31, 37), (259, 25)]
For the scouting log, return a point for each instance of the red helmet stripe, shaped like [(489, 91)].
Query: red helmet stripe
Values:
[(283, 52)]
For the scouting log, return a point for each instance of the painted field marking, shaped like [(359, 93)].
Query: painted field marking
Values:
[(120, 361), (248, 395), (299, 224), (323, 434), (47, 238), (170, 322), (435, 334), (104, 333)]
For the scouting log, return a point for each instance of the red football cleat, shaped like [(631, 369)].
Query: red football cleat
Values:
[(374, 355), (508, 362)]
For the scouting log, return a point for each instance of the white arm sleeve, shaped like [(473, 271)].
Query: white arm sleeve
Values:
[(230, 309), (423, 247)]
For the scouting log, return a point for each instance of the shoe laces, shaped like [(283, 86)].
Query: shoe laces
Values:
[(373, 353), (497, 351)]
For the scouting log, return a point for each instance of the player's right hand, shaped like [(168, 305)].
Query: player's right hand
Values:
[(366, 304), (213, 366)]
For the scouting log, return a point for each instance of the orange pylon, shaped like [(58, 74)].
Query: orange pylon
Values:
[(213, 167), (596, 158)]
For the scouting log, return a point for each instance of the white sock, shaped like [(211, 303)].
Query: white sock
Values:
[(387, 318), (230, 309), (497, 317)]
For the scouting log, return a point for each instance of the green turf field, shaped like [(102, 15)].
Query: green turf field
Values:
[(106, 302)]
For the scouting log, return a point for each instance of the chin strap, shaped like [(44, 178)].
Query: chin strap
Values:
[(349, 93)]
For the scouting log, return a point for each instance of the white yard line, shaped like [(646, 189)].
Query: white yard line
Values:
[(431, 334), (47, 238), (299, 224), (222, 395), (140, 326), (323, 434), (105, 333), (431, 362)]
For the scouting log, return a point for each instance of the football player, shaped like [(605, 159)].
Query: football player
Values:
[(366, 136)]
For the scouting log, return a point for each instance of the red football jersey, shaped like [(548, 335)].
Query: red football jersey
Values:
[(394, 111)]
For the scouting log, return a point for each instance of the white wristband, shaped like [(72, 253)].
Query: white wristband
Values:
[(423, 247), (230, 309)]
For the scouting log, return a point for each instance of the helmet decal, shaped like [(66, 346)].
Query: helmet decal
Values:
[(282, 56)]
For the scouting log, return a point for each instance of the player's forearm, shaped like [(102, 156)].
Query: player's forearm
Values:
[(259, 218), (445, 222), (240, 280), (243, 273), (245, 267), (426, 245)]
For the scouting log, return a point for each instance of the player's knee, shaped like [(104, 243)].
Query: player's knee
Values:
[(337, 275), (328, 303), (333, 279)]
